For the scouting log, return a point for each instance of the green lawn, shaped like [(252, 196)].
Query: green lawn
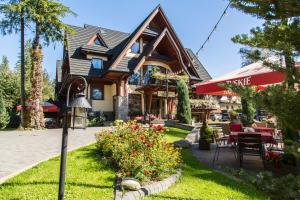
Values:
[(87, 178)]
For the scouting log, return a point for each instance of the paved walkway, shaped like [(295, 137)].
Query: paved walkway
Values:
[(20, 150)]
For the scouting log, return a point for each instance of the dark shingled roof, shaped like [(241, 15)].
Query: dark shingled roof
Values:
[(58, 70), (203, 74), (79, 64), (115, 42)]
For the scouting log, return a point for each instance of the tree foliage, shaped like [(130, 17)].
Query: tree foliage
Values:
[(183, 107), (268, 9), (248, 112), (9, 87), (280, 33), (4, 117)]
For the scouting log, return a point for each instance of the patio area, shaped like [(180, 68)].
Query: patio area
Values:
[(226, 159)]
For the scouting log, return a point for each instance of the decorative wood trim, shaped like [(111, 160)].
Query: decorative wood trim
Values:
[(135, 37), (97, 35)]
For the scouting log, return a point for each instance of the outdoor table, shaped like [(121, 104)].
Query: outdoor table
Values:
[(264, 129), (266, 137)]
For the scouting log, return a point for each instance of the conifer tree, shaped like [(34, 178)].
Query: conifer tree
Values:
[(184, 106)]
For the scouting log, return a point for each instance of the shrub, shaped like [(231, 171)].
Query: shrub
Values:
[(14, 119), (184, 106), (4, 116), (206, 132), (96, 119), (275, 188), (142, 153)]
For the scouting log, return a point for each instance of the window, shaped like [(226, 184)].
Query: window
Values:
[(135, 48), (97, 63), (97, 41), (97, 94), (135, 78)]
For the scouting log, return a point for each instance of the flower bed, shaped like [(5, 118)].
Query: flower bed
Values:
[(142, 153)]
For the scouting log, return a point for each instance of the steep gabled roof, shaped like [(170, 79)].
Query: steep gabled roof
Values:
[(142, 28), (154, 44), (201, 71), (77, 41)]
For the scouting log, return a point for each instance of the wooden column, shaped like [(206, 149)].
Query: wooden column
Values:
[(119, 88), (125, 87), (149, 95), (160, 109)]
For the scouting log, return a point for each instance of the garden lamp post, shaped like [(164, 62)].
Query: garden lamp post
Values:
[(79, 101)]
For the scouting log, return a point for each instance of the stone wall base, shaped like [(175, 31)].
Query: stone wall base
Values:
[(121, 107)]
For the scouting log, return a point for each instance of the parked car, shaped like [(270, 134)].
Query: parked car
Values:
[(50, 123), (215, 116), (225, 117)]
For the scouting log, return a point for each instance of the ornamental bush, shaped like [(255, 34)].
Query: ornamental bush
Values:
[(142, 153)]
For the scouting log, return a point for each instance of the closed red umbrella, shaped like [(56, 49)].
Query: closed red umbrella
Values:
[(252, 75), (47, 107)]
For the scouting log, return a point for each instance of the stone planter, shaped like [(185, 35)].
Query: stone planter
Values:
[(204, 144), (146, 190)]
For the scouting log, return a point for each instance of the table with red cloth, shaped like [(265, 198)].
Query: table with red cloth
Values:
[(264, 129), (266, 137)]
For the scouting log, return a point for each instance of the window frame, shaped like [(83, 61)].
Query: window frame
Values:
[(139, 47), (99, 59), (99, 87)]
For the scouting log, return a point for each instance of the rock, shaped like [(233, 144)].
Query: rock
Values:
[(182, 143), (130, 184)]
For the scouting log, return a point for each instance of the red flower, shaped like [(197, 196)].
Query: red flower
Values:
[(127, 173), (142, 137), (136, 127)]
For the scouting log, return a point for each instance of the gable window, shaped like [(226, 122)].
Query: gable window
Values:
[(97, 63), (97, 93), (135, 48), (97, 41)]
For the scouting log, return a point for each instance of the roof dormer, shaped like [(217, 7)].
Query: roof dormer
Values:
[(97, 40)]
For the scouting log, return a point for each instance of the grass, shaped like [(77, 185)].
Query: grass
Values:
[(87, 178), (174, 134)]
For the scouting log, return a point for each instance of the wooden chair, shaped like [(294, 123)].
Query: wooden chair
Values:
[(226, 129), (250, 144), (221, 143)]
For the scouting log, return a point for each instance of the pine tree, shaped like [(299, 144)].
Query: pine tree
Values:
[(184, 106), (46, 16), (280, 34), (9, 87), (4, 117), (270, 9), (4, 66)]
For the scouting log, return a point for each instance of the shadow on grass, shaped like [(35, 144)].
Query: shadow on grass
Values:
[(35, 183), (201, 171), (177, 198)]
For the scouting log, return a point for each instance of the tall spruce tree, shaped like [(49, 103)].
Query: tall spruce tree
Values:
[(14, 18), (48, 27), (184, 106)]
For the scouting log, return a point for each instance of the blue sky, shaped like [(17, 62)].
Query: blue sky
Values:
[(191, 19)]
